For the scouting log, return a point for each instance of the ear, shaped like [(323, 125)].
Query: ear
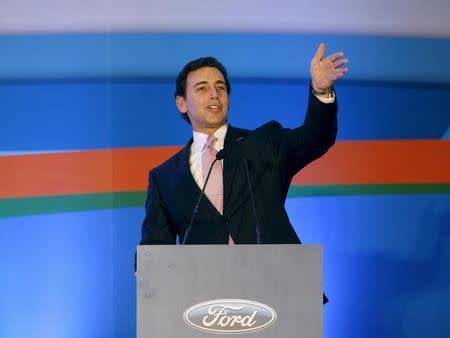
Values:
[(181, 104)]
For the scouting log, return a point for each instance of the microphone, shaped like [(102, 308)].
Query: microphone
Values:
[(219, 156), (258, 227)]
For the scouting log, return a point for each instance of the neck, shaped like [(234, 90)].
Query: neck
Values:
[(207, 131)]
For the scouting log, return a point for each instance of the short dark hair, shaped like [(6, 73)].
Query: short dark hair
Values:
[(208, 61)]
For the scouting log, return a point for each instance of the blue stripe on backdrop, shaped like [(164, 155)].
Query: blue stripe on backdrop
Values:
[(71, 115), (386, 262), (247, 55), (56, 276), (55, 116), (127, 234), (446, 135)]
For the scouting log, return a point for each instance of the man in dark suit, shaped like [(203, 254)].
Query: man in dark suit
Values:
[(262, 161)]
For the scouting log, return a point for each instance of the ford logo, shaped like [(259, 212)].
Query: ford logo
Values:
[(230, 316)]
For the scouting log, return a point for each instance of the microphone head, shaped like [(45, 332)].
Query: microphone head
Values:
[(220, 154)]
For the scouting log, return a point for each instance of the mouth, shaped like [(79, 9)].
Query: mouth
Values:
[(214, 108)]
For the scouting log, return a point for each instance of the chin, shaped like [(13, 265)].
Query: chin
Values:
[(217, 122)]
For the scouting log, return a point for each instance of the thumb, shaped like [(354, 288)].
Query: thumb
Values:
[(320, 51)]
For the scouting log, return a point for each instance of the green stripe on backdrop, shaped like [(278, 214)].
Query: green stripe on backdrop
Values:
[(67, 203), (367, 189)]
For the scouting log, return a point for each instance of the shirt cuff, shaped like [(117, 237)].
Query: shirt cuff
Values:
[(326, 98)]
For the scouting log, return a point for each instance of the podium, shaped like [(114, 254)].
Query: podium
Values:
[(270, 291)]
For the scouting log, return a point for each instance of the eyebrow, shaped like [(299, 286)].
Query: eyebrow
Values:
[(205, 82)]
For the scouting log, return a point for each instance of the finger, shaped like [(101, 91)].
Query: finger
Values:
[(335, 56), (340, 62), (320, 51), (337, 76), (340, 72)]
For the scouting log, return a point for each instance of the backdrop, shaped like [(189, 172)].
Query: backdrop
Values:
[(87, 108)]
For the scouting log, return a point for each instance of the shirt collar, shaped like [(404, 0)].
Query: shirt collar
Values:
[(200, 139)]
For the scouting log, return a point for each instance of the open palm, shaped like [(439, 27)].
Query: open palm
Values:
[(325, 71)]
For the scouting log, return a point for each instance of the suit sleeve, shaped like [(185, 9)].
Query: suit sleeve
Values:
[(157, 227), (300, 146)]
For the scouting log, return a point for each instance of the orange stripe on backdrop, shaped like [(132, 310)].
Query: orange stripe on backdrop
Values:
[(349, 162), (79, 172), (380, 162)]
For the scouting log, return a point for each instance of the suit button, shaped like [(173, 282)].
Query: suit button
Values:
[(226, 221)]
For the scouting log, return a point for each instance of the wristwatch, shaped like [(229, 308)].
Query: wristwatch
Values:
[(321, 92)]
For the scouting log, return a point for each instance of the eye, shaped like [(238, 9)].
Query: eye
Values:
[(200, 89), (221, 87)]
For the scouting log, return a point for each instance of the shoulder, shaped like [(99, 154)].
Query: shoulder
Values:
[(267, 133), (271, 127), (256, 143), (172, 165)]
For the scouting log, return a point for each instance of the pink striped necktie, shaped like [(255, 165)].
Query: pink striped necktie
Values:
[(214, 189)]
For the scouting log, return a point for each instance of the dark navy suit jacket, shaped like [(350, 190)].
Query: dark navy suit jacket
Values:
[(274, 155)]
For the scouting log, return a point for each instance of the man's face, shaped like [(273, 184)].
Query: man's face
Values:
[(206, 100)]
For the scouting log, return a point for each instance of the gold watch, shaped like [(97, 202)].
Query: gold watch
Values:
[(320, 92)]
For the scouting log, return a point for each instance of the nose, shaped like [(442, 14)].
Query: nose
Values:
[(213, 93)]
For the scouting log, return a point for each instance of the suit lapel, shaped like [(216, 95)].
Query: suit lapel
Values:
[(234, 176), (230, 163), (239, 145)]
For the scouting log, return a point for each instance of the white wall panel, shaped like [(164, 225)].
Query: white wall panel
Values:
[(385, 17)]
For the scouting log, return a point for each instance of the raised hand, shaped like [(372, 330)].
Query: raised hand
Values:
[(325, 71)]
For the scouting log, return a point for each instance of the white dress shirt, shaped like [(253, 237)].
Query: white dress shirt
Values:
[(195, 158)]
